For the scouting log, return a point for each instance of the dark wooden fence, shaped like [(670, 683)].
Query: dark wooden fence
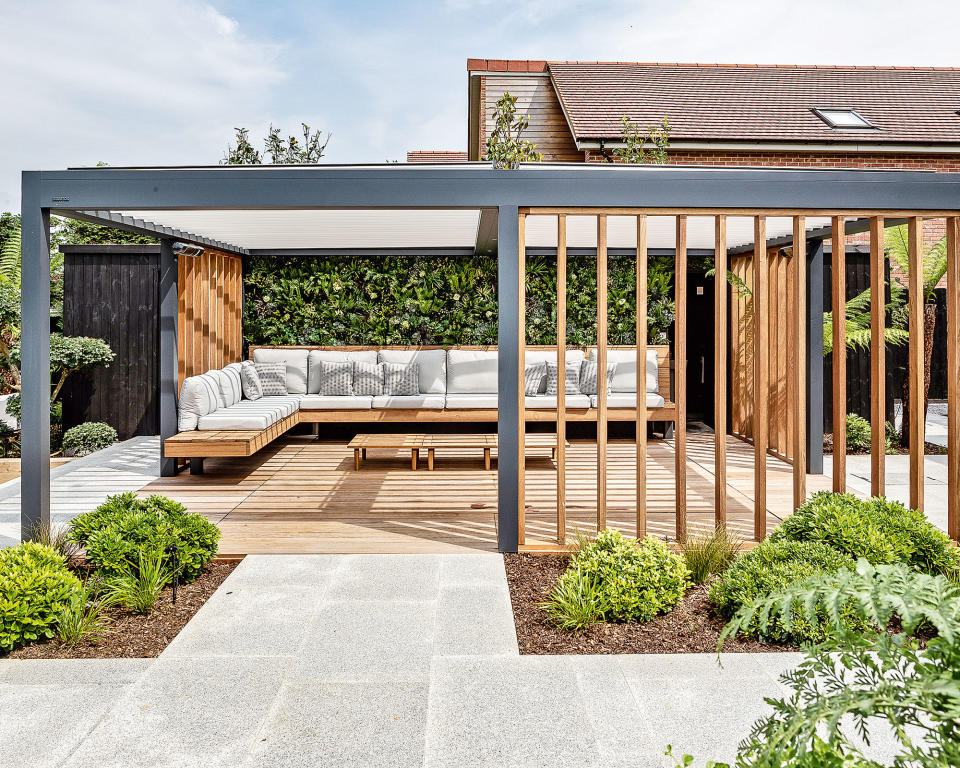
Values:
[(112, 292)]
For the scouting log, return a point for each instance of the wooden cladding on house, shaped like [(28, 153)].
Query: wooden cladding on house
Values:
[(209, 312)]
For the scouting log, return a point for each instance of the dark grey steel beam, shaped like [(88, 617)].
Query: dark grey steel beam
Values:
[(168, 352), (35, 362), (508, 378), (815, 357)]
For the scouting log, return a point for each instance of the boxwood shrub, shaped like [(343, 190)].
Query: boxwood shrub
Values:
[(88, 437), (880, 530), (35, 587), (634, 580), (119, 530), (770, 567)]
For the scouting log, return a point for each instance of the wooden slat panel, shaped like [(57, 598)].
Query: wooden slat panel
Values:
[(799, 331), (720, 371), (953, 377), (641, 331), (878, 373), (680, 376), (916, 353), (602, 372), (773, 354), (561, 376), (839, 306), (760, 367), (783, 353), (522, 345)]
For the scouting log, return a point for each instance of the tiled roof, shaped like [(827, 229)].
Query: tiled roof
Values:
[(725, 102), (436, 156)]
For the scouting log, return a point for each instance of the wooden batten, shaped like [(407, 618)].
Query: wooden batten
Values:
[(953, 377), (915, 357), (722, 290), (761, 350), (521, 395), (798, 398), (878, 347), (561, 377), (838, 269), (680, 377), (641, 331), (601, 372)]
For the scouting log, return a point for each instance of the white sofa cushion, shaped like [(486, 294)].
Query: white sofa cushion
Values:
[(432, 362), (550, 401), (625, 373), (250, 381), (409, 401), (286, 404), (228, 419), (224, 387), (273, 379), (323, 402), (232, 372), (532, 356), (296, 362), (333, 356), (198, 397), (401, 379), (471, 371), (466, 400), (628, 400)]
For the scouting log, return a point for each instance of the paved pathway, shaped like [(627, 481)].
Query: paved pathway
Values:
[(372, 660)]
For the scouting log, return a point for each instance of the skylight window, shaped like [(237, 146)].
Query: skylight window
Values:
[(842, 118)]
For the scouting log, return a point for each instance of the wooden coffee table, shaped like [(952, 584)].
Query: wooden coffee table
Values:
[(430, 443)]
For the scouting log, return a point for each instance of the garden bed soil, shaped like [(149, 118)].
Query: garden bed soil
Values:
[(691, 627), (132, 636)]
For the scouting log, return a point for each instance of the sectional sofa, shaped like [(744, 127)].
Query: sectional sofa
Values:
[(217, 417)]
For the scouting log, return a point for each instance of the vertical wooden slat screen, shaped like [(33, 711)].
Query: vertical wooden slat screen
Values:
[(722, 290), (680, 378), (521, 394), (209, 308), (601, 372), (953, 377), (761, 350), (838, 268), (799, 379), (641, 331), (878, 397), (561, 376), (915, 355)]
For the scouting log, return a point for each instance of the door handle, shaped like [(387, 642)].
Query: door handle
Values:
[(703, 369)]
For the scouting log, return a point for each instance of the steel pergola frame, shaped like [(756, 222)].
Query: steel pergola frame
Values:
[(96, 194)]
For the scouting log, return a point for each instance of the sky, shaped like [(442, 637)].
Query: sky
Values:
[(165, 82)]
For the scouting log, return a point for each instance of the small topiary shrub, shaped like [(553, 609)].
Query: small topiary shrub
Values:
[(88, 437), (119, 530), (35, 588), (623, 579), (882, 531), (771, 567)]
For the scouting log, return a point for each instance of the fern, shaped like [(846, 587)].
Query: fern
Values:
[(10, 259), (897, 242), (858, 322)]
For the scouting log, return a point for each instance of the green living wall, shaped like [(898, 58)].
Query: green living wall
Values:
[(430, 300)]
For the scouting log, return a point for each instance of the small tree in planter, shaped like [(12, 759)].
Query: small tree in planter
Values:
[(641, 146), (506, 148), (88, 437)]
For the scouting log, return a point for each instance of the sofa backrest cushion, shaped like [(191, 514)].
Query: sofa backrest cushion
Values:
[(224, 387), (471, 371), (535, 356), (232, 372), (318, 356), (296, 362), (432, 362), (625, 371), (198, 397)]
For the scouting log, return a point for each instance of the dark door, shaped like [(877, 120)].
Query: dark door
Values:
[(700, 346)]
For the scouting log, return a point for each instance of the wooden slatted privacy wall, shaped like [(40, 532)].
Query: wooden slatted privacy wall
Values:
[(680, 377), (798, 399), (838, 271), (720, 371), (915, 356), (602, 372), (561, 376), (210, 304), (761, 374), (641, 331), (953, 377), (878, 398)]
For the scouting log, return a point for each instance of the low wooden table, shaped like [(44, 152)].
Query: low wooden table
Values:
[(430, 443)]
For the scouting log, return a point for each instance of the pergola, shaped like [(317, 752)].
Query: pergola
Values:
[(464, 209)]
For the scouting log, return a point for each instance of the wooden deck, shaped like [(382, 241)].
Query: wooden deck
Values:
[(299, 495)]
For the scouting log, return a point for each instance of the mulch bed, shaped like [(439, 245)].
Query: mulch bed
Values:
[(691, 627), (131, 636)]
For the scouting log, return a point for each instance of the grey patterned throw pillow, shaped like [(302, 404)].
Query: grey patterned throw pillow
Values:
[(588, 377), (250, 381), (273, 378), (533, 378), (336, 378), (367, 379), (572, 379), (401, 379)]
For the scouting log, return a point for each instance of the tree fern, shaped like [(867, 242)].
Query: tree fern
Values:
[(10, 259), (934, 260), (858, 321)]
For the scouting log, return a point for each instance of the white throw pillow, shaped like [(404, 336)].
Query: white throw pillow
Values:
[(252, 389), (318, 356)]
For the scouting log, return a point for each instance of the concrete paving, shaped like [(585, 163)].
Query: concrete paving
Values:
[(374, 660)]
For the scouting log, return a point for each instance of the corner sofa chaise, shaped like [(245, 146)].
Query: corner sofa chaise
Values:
[(221, 413)]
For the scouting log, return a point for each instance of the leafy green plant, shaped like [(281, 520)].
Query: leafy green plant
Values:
[(863, 678), (83, 618), (857, 311), (125, 525), (640, 145), (35, 588), (858, 434), (576, 602), (88, 437), (138, 589), (770, 567), (308, 149), (878, 529), (625, 579), (709, 552), (506, 148)]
